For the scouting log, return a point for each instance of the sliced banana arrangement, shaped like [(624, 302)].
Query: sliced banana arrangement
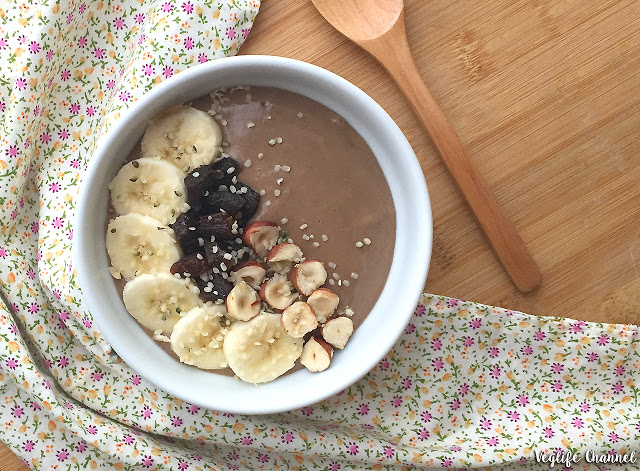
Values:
[(186, 137), (157, 301), (139, 244), (222, 292), (151, 187), (199, 336), (260, 350)]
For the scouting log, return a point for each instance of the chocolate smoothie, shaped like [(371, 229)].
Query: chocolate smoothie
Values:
[(318, 180)]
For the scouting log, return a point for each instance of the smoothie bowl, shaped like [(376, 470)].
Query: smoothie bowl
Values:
[(253, 234)]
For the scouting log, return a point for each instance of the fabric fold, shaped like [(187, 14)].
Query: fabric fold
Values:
[(467, 385)]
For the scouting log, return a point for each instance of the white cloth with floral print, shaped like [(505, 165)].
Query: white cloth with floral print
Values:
[(467, 385)]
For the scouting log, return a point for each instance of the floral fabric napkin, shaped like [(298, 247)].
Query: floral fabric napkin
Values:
[(467, 385)]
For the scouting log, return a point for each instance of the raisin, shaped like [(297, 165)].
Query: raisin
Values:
[(199, 182), (217, 224), (216, 255), (194, 264), (187, 237), (221, 285), (248, 209), (232, 245), (229, 167), (239, 251), (221, 288), (245, 257), (223, 201)]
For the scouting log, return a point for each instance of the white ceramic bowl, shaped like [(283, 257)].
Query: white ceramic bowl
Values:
[(383, 325)]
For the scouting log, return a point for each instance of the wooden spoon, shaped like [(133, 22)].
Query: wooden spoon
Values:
[(378, 27)]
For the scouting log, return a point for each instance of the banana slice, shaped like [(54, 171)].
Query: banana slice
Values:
[(198, 337), (186, 137), (260, 350), (139, 244), (157, 300), (151, 187)]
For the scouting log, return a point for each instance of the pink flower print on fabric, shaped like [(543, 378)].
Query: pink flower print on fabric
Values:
[(469, 387)]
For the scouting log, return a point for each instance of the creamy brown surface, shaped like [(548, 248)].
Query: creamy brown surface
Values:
[(334, 185)]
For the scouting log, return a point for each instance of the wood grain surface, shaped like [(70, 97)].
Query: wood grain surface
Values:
[(545, 97)]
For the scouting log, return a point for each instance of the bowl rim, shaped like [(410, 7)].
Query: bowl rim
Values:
[(92, 282)]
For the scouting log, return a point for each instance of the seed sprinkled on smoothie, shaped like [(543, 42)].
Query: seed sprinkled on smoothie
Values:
[(367, 241), (304, 226), (247, 163), (300, 115), (359, 244)]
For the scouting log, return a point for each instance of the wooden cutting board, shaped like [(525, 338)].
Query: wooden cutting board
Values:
[(546, 97)]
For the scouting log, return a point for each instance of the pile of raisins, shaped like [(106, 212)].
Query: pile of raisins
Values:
[(210, 233)]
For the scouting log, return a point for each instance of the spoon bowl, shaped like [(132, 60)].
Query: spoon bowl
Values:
[(361, 20)]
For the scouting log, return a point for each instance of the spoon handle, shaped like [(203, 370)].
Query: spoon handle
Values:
[(393, 52)]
